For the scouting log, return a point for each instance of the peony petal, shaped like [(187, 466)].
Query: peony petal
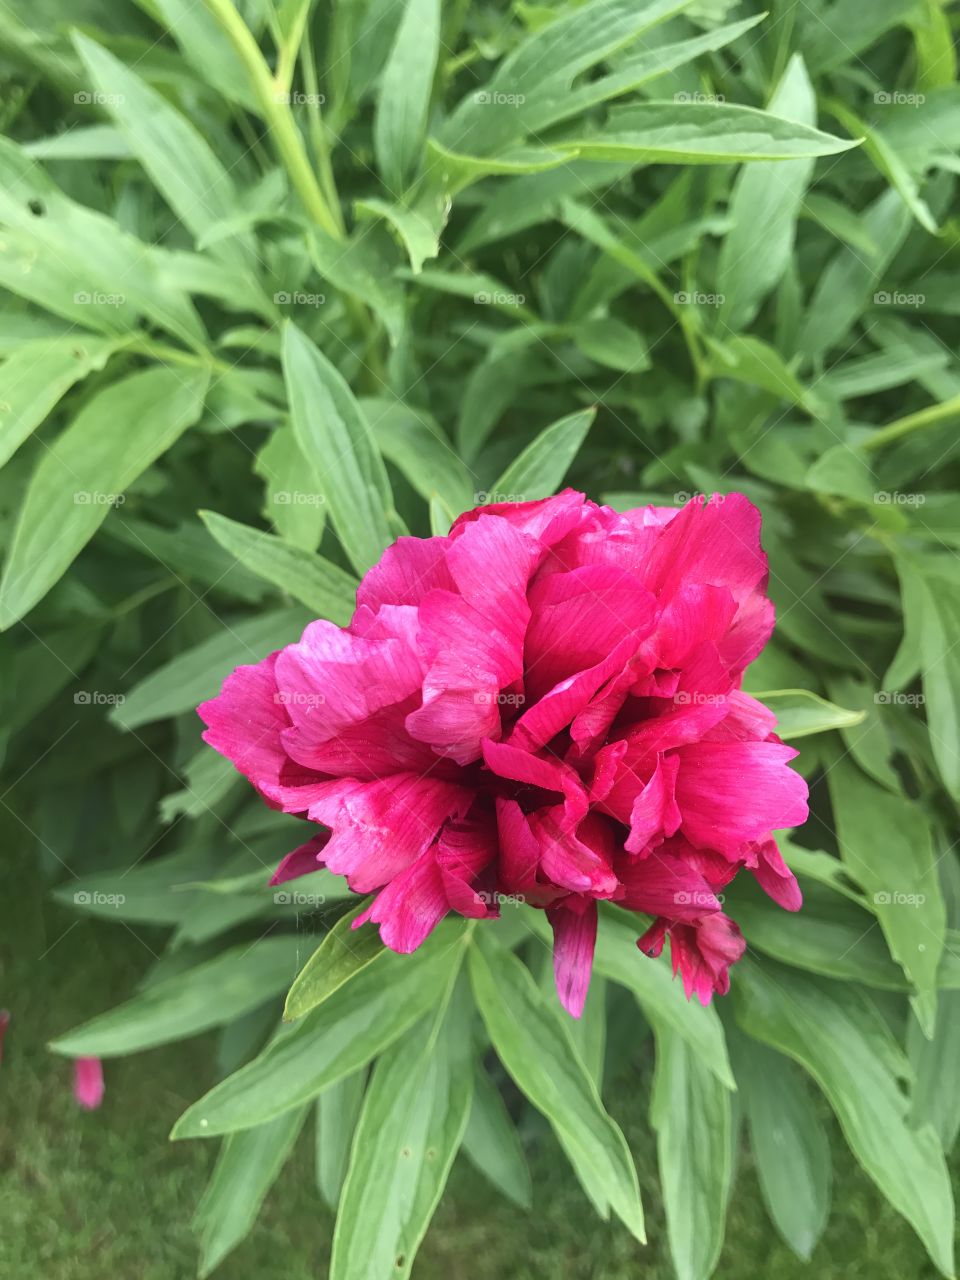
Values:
[(731, 793), (405, 573), (466, 855), (665, 885), (776, 879), (574, 940), (577, 617), (88, 1082), (713, 542), (655, 812), (410, 907), (246, 720), (301, 861), (379, 828)]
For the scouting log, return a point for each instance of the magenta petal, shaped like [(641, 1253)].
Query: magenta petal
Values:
[(88, 1082), (665, 885), (776, 879), (731, 793), (574, 940), (246, 719), (655, 812), (410, 907), (379, 828), (301, 861)]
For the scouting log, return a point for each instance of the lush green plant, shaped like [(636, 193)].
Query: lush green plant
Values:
[(250, 258)]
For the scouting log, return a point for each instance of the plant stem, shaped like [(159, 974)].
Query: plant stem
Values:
[(277, 116), (928, 417)]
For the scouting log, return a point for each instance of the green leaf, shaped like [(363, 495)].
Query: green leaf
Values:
[(522, 95), (690, 1110), (800, 712), (85, 471), (535, 1047), (700, 133), (247, 1167), (177, 158), (210, 995), (332, 432), (764, 206), (660, 996), (830, 935), (789, 1143), (539, 470), (294, 504), (415, 444), (321, 586), (338, 1110), (37, 375), (834, 1035), (80, 264), (885, 841), (197, 673), (936, 595), (492, 1144), (340, 957), (612, 343), (400, 122), (845, 288), (936, 1094), (357, 1022), (413, 1118)]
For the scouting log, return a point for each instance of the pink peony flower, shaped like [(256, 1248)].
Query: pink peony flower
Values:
[(88, 1082), (544, 704)]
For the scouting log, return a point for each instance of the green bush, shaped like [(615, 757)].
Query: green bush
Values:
[(282, 284)]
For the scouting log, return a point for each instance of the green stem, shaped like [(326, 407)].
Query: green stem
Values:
[(318, 134), (929, 417), (277, 116)]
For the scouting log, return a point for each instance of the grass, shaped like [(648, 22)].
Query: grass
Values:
[(84, 1196)]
